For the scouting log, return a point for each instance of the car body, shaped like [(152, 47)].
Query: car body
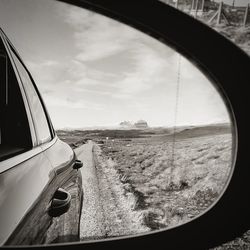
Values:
[(40, 185), (228, 67)]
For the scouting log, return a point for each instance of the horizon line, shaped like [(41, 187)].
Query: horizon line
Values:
[(149, 127)]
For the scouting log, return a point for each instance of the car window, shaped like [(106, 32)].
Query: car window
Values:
[(3, 73), (15, 136), (38, 112)]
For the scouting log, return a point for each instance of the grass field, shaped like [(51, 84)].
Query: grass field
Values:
[(173, 179)]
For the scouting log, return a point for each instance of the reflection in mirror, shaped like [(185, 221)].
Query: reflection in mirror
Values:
[(153, 132)]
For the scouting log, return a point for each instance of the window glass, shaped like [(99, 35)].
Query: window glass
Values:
[(38, 113), (3, 74), (15, 137)]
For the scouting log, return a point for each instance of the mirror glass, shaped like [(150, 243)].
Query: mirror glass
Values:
[(153, 132)]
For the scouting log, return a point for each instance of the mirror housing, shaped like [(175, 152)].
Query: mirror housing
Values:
[(212, 54)]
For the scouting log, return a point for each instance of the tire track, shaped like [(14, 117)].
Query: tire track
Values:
[(107, 210)]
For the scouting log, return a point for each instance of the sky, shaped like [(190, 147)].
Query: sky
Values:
[(94, 71)]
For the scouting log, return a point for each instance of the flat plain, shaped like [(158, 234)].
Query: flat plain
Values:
[(173, 177)]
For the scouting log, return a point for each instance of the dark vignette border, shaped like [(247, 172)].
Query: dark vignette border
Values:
[(226, 65)]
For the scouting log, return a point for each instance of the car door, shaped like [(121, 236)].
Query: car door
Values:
[(35, 164), (25, 170)]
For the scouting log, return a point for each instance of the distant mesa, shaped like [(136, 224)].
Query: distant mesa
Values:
[(139, 124), (126, 124)]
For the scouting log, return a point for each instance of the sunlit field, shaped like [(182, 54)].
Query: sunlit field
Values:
[(173, 178)]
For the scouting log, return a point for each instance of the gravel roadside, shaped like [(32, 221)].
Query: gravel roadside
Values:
[(108, 210)]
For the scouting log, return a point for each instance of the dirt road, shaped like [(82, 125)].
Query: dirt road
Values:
[(107, 209)]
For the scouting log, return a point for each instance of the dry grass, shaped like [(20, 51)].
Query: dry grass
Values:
[(171, 192), (167, 187), (237, 34), (121, 217), (240, 243)]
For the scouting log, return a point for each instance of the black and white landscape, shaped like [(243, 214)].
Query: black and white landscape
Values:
[(135, 174), (153, 132)]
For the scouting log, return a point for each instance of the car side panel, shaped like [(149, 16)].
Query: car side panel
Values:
[(66, 227), (22, 187), (27, 188)]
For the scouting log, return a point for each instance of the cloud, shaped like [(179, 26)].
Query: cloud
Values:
[(96, 36), (148, 72), (70, 103), (117, 69)]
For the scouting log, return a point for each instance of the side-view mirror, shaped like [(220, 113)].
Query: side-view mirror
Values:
[(163, 121), (212, 54)]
